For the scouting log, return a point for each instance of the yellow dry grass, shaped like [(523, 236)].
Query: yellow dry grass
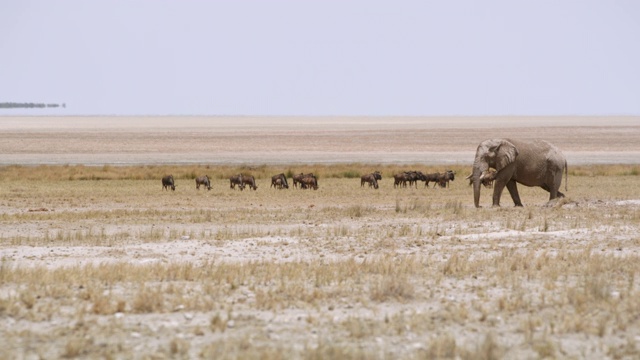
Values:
[(101, 262)]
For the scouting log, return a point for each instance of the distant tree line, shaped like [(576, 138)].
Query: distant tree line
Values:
[(13, 105)]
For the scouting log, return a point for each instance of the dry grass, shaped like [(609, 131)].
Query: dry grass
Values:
[(190, 172), (119, 268)]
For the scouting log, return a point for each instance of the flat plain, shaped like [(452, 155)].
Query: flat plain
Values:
[(97, 261)]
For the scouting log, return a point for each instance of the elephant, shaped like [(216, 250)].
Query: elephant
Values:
[(530, 163)]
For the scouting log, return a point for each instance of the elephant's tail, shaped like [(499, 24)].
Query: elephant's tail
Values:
[(566, 176)]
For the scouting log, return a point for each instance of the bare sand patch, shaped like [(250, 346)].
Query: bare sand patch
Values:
[(291, 140), (119, 268)]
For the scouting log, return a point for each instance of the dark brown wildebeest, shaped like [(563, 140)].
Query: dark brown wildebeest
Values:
[(249, 180), (167, 182), (408, 176), (415, 176), (236, 180), (297, 179), (277, 183), (443, 179), (372, 179), (309, 181), (411, 177), (203, 180), (283, 181), (399, 179), (433, 177)]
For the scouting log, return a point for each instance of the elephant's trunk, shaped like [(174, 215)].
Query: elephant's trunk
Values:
[(479, 168), (476, 191)]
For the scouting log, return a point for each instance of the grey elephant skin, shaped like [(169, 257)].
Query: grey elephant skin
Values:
[(530, 163)]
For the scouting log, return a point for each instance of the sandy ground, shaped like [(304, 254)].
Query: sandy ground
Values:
[(291, 140), (197, 251), (268, 140)]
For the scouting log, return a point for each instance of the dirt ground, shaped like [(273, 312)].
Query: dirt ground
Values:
[(488, 303), (293, 140)]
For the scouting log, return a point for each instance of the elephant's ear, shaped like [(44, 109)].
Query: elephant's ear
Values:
[(506, 153)]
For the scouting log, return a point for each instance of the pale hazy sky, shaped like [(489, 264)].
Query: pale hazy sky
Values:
[(259, 57)]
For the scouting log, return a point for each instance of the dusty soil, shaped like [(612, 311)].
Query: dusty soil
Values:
[(290, 140), (57, 226), (200, 249)]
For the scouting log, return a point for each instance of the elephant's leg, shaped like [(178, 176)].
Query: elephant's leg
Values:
[(513, 191), (553, 189), (557, 181), (497, 192), (554, 193)]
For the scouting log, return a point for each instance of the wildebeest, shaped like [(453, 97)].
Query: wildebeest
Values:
[(414, 177), (297, 179), (249, 180), (309, 181), (408, 176), (443, 179), (433, 177), (372, 179), (236, 180), (167, 182), (279, 181), (399, 179), (203, 180)]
